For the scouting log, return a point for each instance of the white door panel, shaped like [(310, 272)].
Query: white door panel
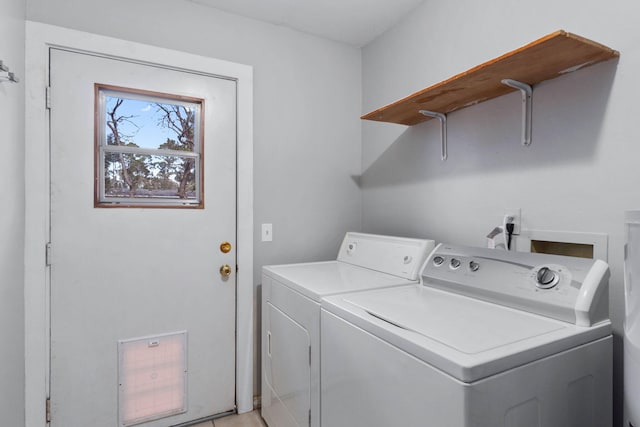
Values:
[(123, 273), (288, 367)]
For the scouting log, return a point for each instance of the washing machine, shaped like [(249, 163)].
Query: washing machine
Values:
[(488, 339), (291, 296)]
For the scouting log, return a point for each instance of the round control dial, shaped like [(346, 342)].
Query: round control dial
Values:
[(438, 260), (546, 278), (455, 263), (474, 266)]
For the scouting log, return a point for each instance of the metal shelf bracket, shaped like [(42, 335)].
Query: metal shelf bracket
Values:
[(527, 106), (443, 128)]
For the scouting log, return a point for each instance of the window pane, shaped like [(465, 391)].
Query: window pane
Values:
[(149, 124), (146, 176)]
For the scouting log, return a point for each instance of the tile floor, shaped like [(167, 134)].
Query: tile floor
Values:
[(249, 419)]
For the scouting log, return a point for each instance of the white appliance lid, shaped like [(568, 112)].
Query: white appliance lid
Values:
[(462, 324), (465, 337), (318, 279)]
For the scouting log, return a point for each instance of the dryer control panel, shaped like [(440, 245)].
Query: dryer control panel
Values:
[(399, 256), (574, 290)]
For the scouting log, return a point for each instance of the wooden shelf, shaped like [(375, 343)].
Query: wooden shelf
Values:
[(547, 58)]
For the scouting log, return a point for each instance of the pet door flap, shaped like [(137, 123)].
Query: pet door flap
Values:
[(152, 375)]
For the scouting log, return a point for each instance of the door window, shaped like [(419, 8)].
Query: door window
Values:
[(148, 149)]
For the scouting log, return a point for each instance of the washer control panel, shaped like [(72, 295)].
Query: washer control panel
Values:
[(555, 286)]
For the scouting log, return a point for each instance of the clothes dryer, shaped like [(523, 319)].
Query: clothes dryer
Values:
[(291, 296), (489, 339)]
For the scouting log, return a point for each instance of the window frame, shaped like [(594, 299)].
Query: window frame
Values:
[(102, 91)]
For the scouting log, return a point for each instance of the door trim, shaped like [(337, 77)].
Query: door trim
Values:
[(39, 38)]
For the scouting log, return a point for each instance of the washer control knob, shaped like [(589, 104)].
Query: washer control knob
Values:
[(455, 263), (474, 266), (438, 260), (546, 278)]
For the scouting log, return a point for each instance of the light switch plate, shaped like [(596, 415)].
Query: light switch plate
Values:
[(267, 232)]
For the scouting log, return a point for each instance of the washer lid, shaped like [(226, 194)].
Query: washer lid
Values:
[(318, 279), (462, 324), (467, 338)]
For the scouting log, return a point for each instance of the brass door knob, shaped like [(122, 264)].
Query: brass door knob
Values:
[(225, 270), (225, 247)]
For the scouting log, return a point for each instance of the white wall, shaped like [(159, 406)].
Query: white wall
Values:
[(306, 108), (581, 172), (12, 216)]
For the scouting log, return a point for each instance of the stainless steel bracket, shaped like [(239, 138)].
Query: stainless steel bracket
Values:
[(527, 106), (443, 128)]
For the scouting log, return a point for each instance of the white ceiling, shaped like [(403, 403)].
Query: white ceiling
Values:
[(356, 22)]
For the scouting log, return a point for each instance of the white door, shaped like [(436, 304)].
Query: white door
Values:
[(142, 316)]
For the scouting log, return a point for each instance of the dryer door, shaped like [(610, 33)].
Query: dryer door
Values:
[(287, 371)]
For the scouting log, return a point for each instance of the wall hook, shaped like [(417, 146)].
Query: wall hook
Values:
[(527, 106), (9, 75), (443, 128)]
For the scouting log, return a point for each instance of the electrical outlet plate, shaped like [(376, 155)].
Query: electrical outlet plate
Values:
[(517, 218)]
